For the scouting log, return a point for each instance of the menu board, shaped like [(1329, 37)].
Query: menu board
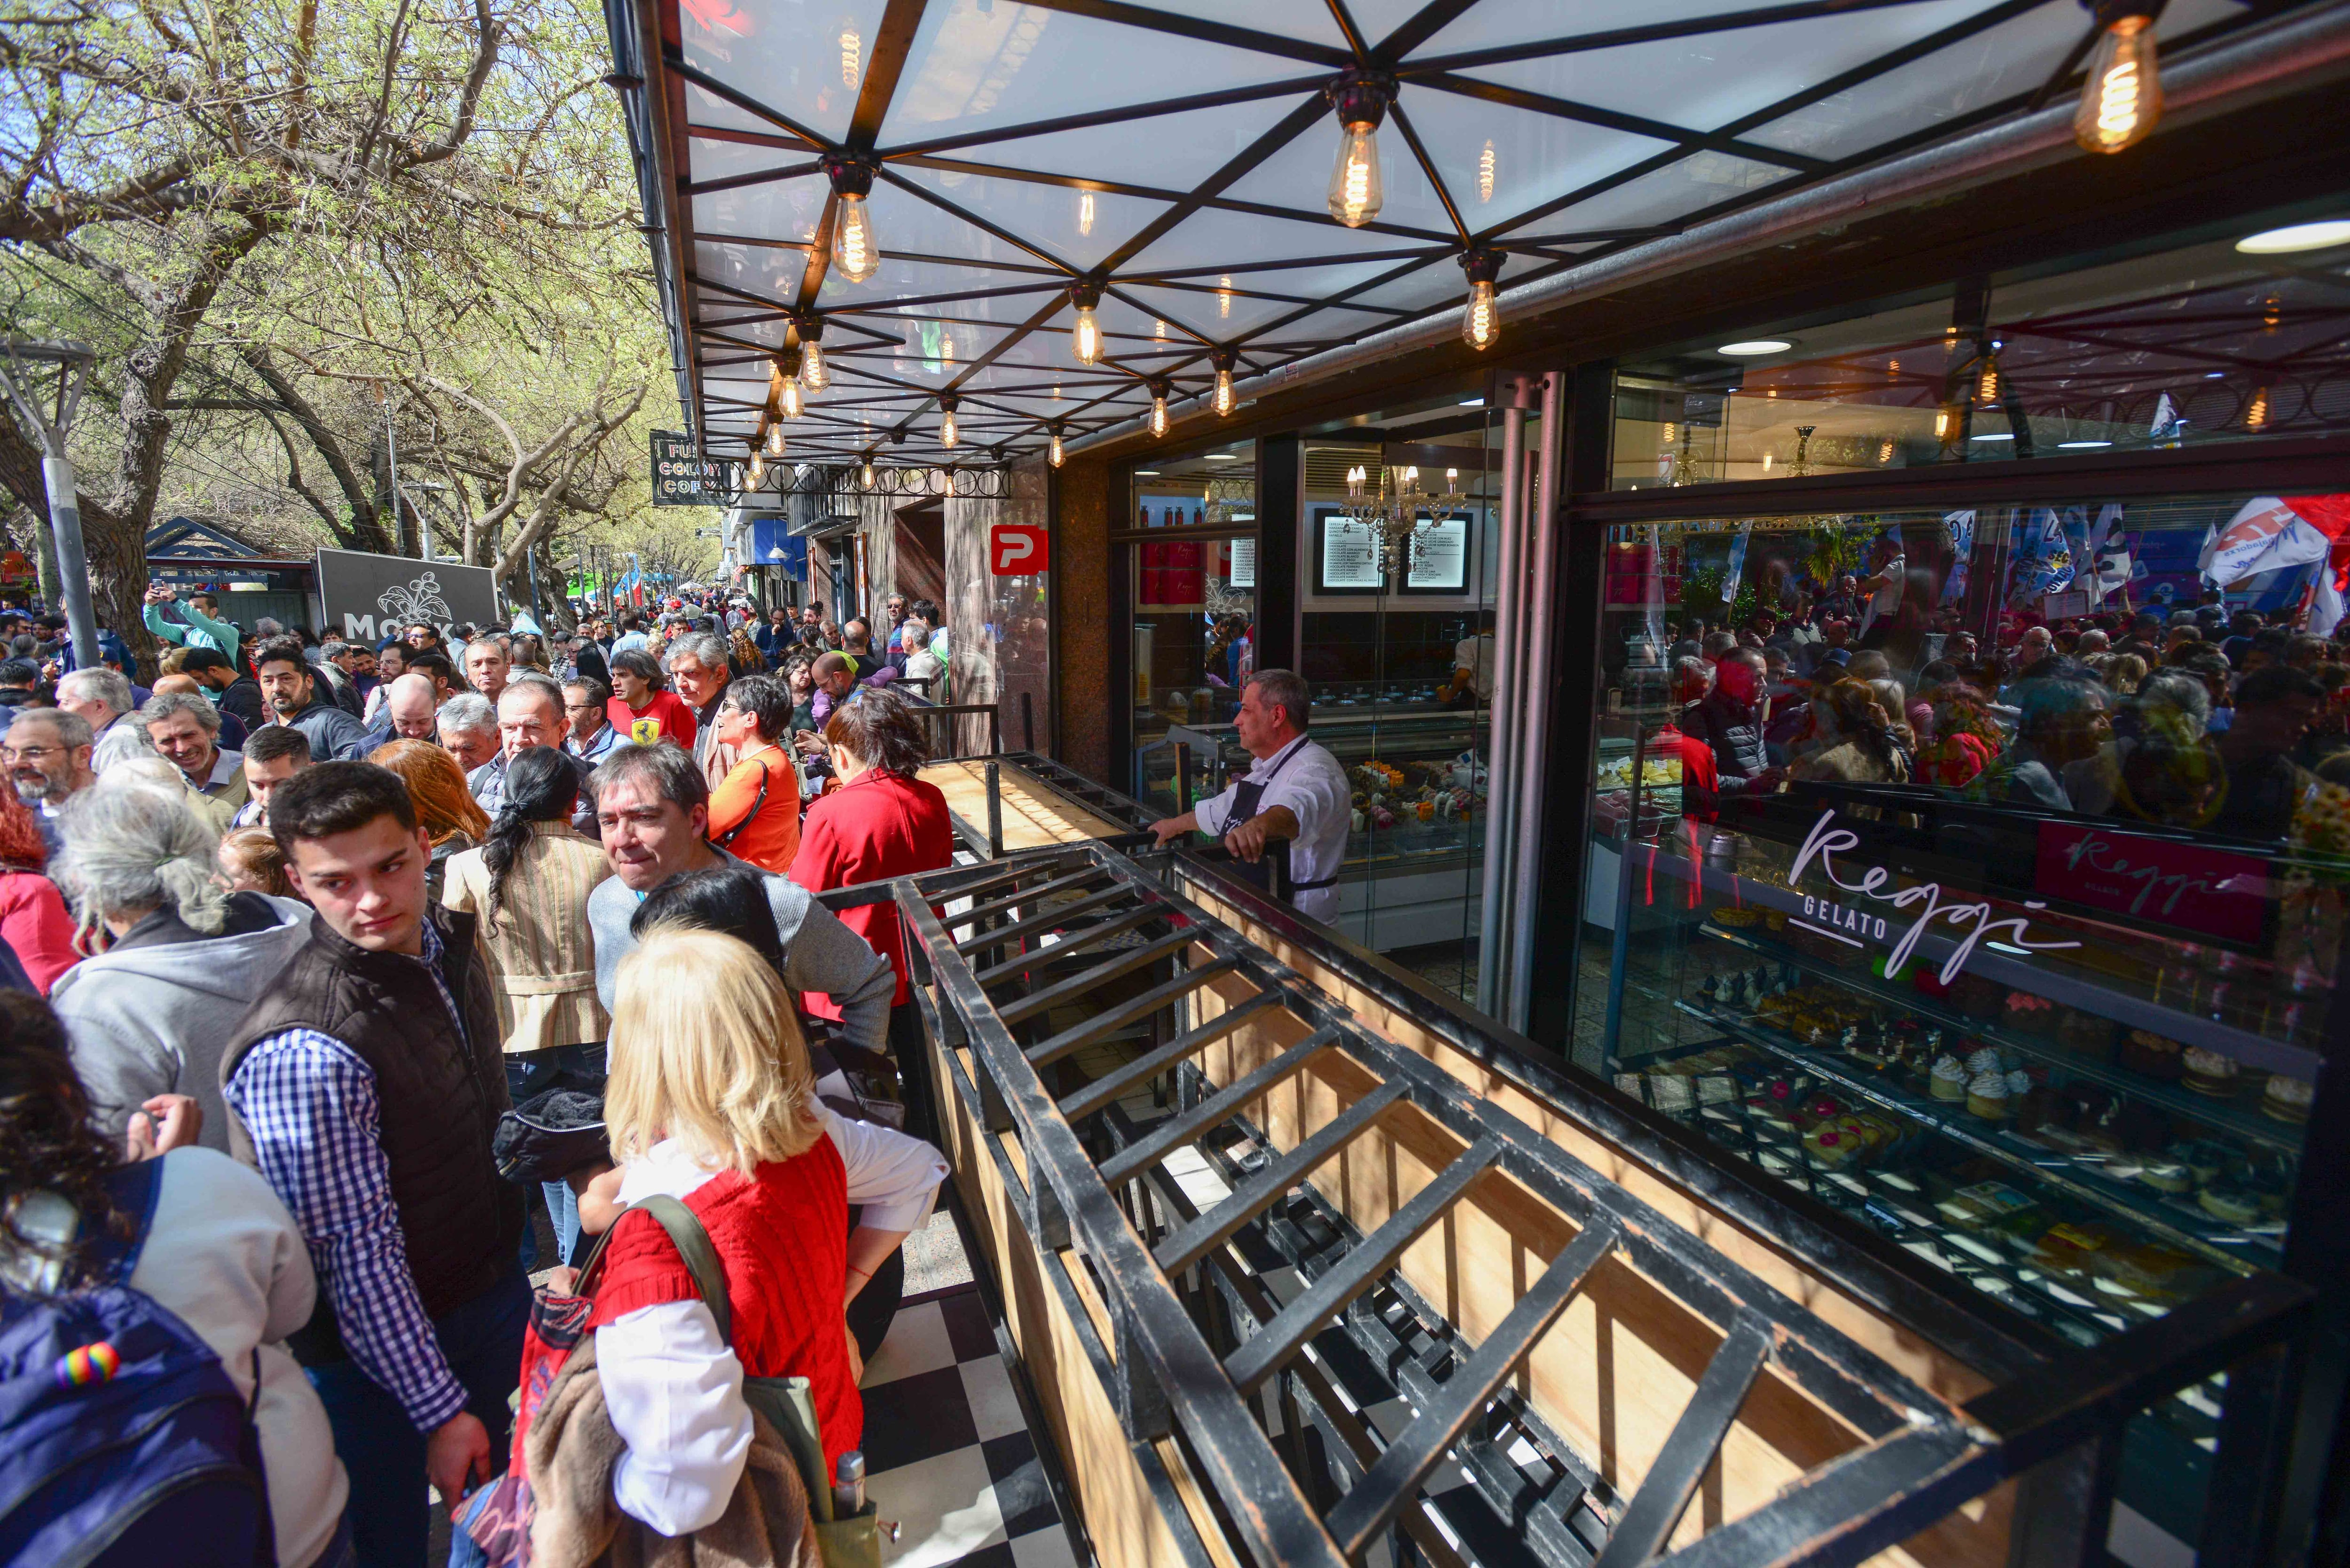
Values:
[(1244, 565), (1347, 558), (1439, 557)]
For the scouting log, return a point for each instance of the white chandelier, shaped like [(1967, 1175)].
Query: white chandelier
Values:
[(1399, 509)]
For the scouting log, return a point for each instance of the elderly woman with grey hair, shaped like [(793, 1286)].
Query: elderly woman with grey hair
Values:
[(182, 958)]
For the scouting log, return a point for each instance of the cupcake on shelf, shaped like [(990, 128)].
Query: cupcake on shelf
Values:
[(1949, 1079), (2230, 1200), (2143, 1051), (2209, 1072), (1987, 1096), (2025, 1013), (2287, 1100), (1983, 1059)]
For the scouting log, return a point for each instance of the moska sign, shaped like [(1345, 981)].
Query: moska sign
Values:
[(367, 597), (1869, 907)]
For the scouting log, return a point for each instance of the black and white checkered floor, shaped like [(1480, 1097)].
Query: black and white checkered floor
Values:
[(947, 1453)]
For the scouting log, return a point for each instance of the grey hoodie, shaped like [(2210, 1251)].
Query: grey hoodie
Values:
[(153, 1014)]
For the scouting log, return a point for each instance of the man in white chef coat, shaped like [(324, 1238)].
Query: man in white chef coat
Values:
[(1292, 805)]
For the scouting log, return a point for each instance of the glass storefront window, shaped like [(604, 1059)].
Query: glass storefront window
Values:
[(1964, 871), (1195, 605), (2180, 348)]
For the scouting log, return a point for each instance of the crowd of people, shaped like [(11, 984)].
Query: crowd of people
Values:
[(2202, 718), (319, 964)]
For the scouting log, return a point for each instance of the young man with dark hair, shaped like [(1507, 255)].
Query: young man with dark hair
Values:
[(291, 687), (235, 692), (367, 1086), (274, 754)]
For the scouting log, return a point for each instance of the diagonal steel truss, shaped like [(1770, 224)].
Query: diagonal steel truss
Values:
[(652, 70), (1197, 1342)]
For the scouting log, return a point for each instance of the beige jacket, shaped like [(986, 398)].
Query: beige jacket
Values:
[(541, 958)]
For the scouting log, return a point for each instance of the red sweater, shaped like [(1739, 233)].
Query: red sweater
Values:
[(878, 825), (33, 919), (784, 1240)]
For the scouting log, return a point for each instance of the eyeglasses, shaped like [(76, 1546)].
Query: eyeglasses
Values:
[(26, 754)]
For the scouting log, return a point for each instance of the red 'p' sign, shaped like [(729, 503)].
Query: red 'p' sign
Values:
[(1017, 550)]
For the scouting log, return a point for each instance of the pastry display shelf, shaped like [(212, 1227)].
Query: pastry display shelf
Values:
[(2236, 1117), (2136, 1204), (2041, 978), (2083, 1311)]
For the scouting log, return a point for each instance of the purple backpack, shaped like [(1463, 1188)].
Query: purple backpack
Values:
[(122, 1439)]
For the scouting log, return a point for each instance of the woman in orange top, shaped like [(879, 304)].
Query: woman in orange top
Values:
[(755, 812)]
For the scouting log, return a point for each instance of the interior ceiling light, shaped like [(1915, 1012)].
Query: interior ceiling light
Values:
[(2294, 237), (1361, 99), (2123, 97), (1747, 348), (1993, 435), (856, 253), (1053, 453), (2082, 445), (1159, 391), (1085, 333), (1223, 402), (1481, 319), (949, 432), (814, 375)]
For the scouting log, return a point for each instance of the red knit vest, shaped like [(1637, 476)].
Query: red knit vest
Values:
[(782, 1236)]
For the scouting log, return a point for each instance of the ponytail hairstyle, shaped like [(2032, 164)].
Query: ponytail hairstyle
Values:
[(541, 786)]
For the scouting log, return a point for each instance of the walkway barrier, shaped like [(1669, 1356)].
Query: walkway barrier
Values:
[(1306, 1265)]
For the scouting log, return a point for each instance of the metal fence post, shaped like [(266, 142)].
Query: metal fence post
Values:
[(994, 810)]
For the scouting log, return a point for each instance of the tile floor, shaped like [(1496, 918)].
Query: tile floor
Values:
[(946, 1454)]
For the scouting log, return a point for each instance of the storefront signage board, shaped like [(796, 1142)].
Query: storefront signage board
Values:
[(1018, 550), (683, 477), (366, 597), (2161, 880), (1348, 557)]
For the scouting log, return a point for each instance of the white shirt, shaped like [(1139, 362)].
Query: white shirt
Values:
[(1888, 597), (1310, 783), (1475, 655), (674, 1391)]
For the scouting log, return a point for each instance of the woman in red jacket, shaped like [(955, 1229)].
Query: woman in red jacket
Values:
[(882, 822), (33, 916)]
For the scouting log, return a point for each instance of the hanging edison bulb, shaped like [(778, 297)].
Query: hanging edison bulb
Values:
[(794, 402), (950, 432), (1053, 453), (1361, 101), (1223, 400), (1946, 424), (1666, 436), (1085, 211), (774, 445), (1485, 173), (865, 472), (1157, 409), (852, 57), (2257, 415), (1086, 333), (1224, 298), (758, 477), (856, 253), (1481, 319), (2123, 97), (1987, 384), (815, 375)]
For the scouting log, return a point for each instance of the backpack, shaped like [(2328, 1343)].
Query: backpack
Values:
[(122, 1439)]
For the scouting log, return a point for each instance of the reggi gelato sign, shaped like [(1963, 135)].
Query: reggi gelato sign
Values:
[(2204, 890), (1866, 902)]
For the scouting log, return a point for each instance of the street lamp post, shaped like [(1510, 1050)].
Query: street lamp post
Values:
[(73, 361)]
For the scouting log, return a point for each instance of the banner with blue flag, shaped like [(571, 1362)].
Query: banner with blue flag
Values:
[(1732, 574), (2043, 561)]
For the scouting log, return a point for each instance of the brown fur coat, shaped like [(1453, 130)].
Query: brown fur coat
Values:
[(572, 1451)]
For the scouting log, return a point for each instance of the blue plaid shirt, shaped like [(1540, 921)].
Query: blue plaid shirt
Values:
[(309, 1105)]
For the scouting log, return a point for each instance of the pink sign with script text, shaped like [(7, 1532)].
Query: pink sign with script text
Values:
[(2208, 891)]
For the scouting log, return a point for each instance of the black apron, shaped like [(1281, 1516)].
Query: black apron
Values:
[(1247, 797)]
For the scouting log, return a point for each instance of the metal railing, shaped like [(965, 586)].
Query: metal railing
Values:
[(1199, 1352)]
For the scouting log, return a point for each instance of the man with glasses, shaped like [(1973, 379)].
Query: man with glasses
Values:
[(592, 736), (47, 754), (531, 716)]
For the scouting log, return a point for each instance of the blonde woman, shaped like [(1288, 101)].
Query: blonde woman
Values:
[(710, 1101)]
